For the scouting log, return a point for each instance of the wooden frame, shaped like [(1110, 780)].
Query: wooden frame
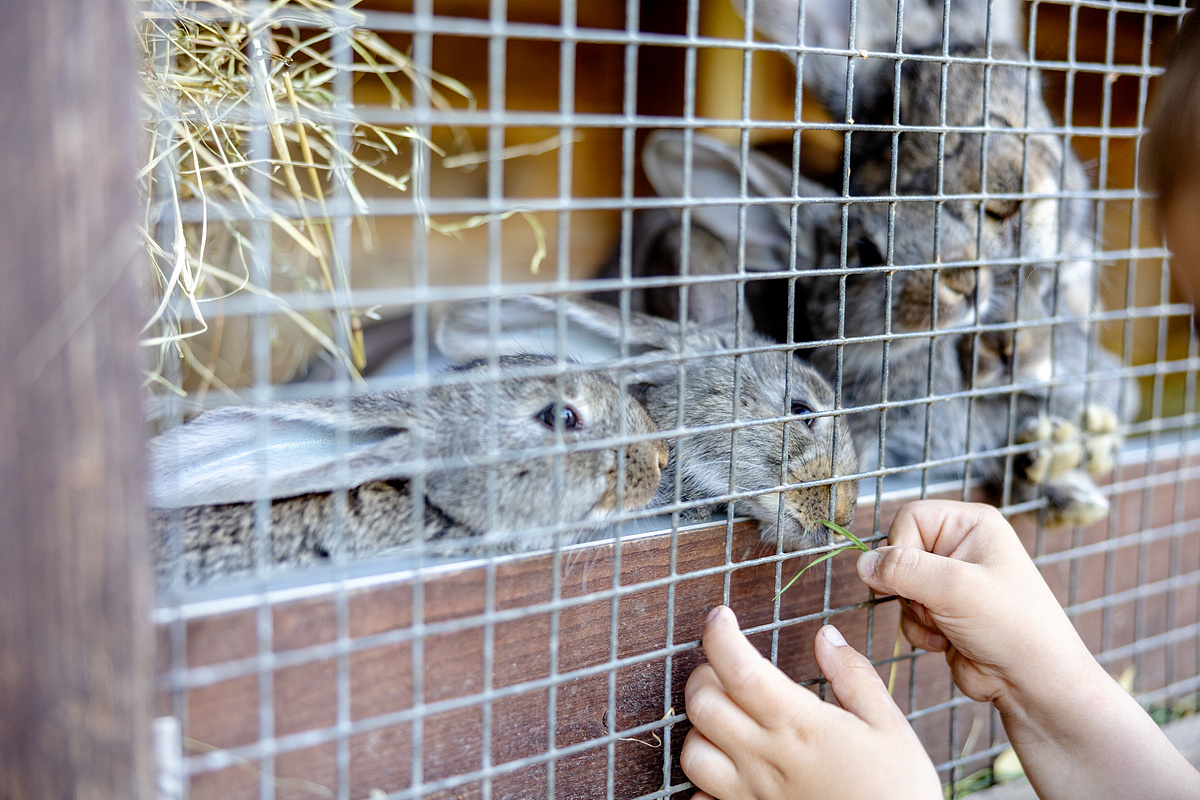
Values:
[(1152, 542), (75, 657)]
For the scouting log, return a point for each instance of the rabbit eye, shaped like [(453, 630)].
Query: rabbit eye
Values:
[(567, 416), (800, 407), (868, 254)]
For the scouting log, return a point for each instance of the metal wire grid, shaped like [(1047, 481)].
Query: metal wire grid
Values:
[(424, 26)]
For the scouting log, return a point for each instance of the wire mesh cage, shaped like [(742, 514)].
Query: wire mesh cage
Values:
[(521, 334)]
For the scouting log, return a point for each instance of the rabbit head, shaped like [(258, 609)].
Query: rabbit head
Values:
[(1010, 96), (908, 292), (742, 212), (476, 436), (817, 447), (1012, 347), (777, 403), (583, 407), (1030, 172), (1022, 213)]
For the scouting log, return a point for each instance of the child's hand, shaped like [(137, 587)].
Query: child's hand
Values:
[(976, 595), (758, 734)]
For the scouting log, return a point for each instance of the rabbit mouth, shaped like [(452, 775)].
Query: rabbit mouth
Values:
[(645, 462), (800, 525), (795, 533)]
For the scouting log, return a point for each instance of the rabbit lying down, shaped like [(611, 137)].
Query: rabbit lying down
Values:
[(898, 260), (696, 409), (206, 474)]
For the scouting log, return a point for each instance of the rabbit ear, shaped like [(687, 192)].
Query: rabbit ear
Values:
[(827, 25), (464, 331), (230, 455), (972, 21), (716, 171)]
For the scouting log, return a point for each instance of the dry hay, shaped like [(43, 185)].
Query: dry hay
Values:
[(236, 98)]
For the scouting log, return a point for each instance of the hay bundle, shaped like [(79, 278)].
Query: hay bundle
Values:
[(252, 152)]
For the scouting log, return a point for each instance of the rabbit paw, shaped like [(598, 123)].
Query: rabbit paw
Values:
[(695, 514), (1101, 439), (1072, 499), (1059, 448)]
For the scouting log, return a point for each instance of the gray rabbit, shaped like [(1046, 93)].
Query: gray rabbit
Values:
[(993, 368), (959, 429), (886, 339), (698, 384), (1034, 206), (1067, 396), (774, 235), (206, 473)]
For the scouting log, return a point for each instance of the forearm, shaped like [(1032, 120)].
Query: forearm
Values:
[(1084, 736)]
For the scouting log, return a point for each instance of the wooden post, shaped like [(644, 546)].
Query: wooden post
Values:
[(75, 640)]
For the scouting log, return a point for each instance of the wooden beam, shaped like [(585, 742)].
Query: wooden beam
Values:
[(75, 638), (222, 712)]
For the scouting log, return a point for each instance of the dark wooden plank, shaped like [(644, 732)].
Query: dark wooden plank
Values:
[(381, 682), (76, 654)]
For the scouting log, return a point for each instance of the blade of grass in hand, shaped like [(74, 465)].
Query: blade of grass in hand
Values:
[(856, 544), (809, 566)]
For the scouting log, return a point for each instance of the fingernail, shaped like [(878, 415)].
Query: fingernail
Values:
[(866, 563), (716, 612), (833, 636)]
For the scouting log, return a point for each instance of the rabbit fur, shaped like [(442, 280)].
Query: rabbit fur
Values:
[(826, 25), (1067, 397), (1042, 213), (1022, 215), (960, 427), (695, 409), (206, 473), (896, 297), (769, 243)]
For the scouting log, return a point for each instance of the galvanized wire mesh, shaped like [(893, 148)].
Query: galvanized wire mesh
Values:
[(412, 675)]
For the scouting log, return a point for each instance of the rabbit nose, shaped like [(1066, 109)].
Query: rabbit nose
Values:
[(661, 447), (956, 294), (961, 281), (846, 501)]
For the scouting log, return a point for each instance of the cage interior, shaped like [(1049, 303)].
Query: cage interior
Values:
[(705, 307)]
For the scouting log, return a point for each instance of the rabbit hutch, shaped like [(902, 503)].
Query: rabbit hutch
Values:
[(721, 273)]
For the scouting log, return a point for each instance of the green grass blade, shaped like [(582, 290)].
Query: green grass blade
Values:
[(810, 565), (833, 526)]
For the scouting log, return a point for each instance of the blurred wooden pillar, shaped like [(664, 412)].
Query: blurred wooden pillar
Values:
[(75, 648)]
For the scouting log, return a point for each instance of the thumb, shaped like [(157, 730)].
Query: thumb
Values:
[(854, 681), (934, 581)]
